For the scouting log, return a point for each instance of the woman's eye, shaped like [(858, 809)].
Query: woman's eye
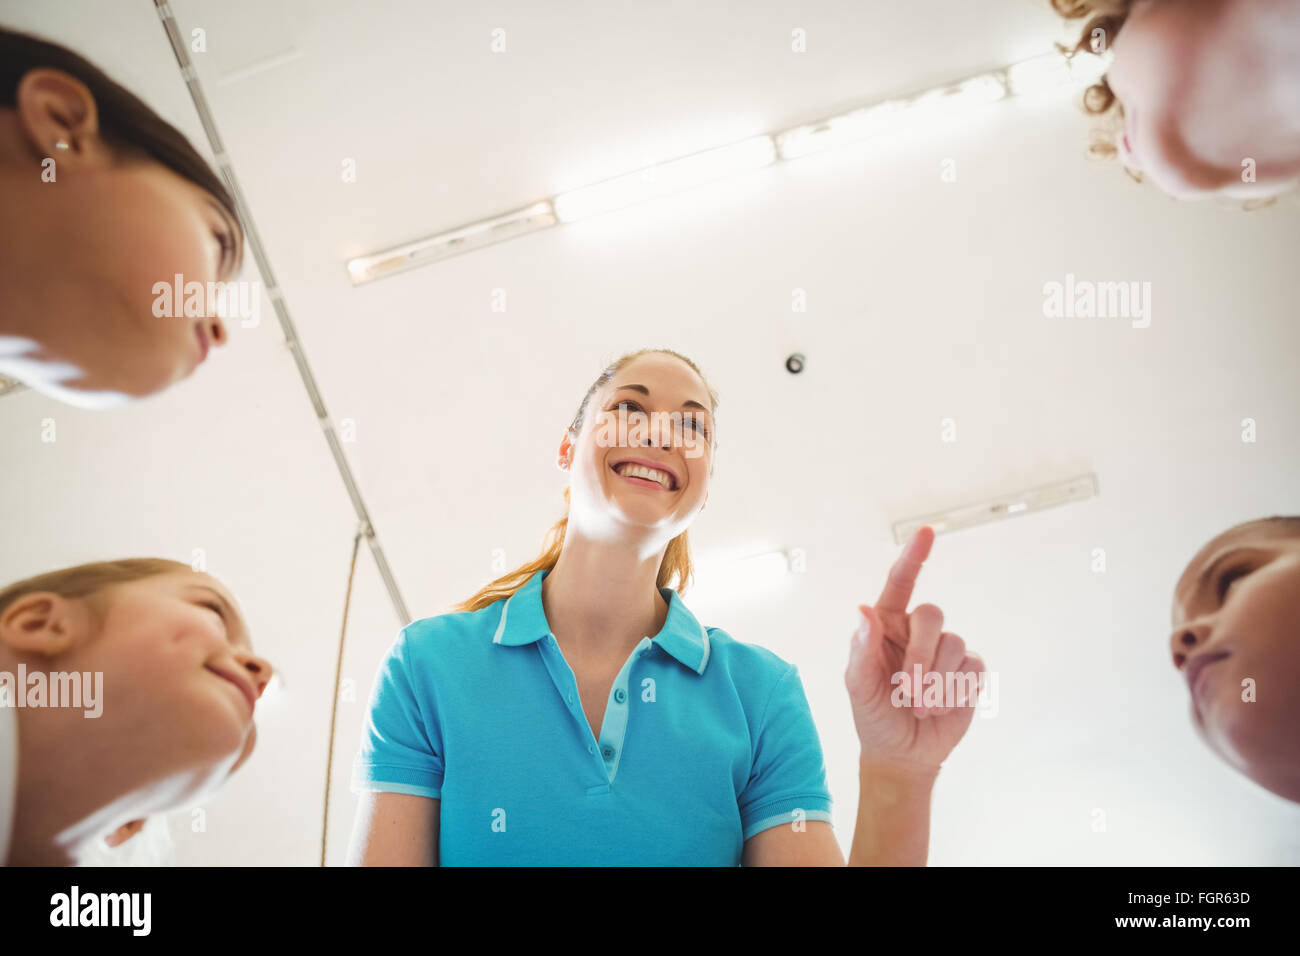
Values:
[(1229, 578), (635, 409), (697, 426), (695, 423)]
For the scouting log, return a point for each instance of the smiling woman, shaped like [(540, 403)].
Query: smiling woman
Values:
[(103, 199), (606, 426), (496, 734), (583, 668)]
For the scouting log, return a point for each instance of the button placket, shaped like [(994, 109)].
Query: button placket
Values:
[(567, 685), (613, 729)]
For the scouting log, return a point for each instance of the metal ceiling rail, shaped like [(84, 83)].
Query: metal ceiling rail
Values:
[(276, 296)]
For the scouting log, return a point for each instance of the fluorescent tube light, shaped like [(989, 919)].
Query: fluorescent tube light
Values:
[(840, 131), (511, 225), (1046, 72), (871, 121), (1053, 70), (666, 178), (1088, 68), (1023, 502), (1030, 76)]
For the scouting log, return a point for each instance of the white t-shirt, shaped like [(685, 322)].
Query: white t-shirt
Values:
[(8, 776)]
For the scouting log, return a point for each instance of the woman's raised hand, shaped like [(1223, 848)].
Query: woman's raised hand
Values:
[(900, 724)]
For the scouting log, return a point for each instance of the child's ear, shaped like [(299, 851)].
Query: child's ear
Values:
[(42, 623), (55, 108), (124, 833)]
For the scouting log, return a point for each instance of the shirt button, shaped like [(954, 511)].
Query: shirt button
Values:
[(591, 749), (619, 695), (608, 751), (570, 698)]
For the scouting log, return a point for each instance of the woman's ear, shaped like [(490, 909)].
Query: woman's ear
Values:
[(42, 623), (124, 833), (565, 457), (59, 117)]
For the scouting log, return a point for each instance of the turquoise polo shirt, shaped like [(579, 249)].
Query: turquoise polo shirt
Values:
[(705, 742)]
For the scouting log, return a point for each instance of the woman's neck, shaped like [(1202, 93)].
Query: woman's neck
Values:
[(601, 599)]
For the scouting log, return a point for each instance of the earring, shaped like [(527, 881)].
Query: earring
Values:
[(61, 145)]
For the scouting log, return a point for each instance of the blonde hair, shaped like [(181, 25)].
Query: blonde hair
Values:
[(1099, 100), (153, 846), (85, 580), (676, 563), (1106, 16)]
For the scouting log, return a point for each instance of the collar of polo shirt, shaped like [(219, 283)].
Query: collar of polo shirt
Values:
[(523, 621)]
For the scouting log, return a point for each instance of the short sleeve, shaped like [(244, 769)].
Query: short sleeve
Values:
[(787, 782), (401, 745)]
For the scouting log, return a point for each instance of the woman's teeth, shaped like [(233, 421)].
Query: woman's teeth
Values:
[(639, 471)]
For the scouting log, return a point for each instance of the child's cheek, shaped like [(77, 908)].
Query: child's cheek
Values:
[(1246, 716), (168, 646)]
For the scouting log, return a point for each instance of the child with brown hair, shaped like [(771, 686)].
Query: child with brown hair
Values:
[(105, 205)]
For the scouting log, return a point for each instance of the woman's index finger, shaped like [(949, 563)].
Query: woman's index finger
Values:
[(902, 576)]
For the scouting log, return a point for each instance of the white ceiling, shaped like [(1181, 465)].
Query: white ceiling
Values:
[(924, 303)]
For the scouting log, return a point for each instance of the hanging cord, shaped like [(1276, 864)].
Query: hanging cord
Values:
[(334, 703)]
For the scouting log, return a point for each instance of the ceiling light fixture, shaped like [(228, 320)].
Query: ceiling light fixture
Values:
[(1022, 502), (891, 116), (1031, 76), (1052, 70), (511, 225), (665, 179)]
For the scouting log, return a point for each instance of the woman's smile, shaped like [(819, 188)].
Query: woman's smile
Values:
[(640, 472)]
